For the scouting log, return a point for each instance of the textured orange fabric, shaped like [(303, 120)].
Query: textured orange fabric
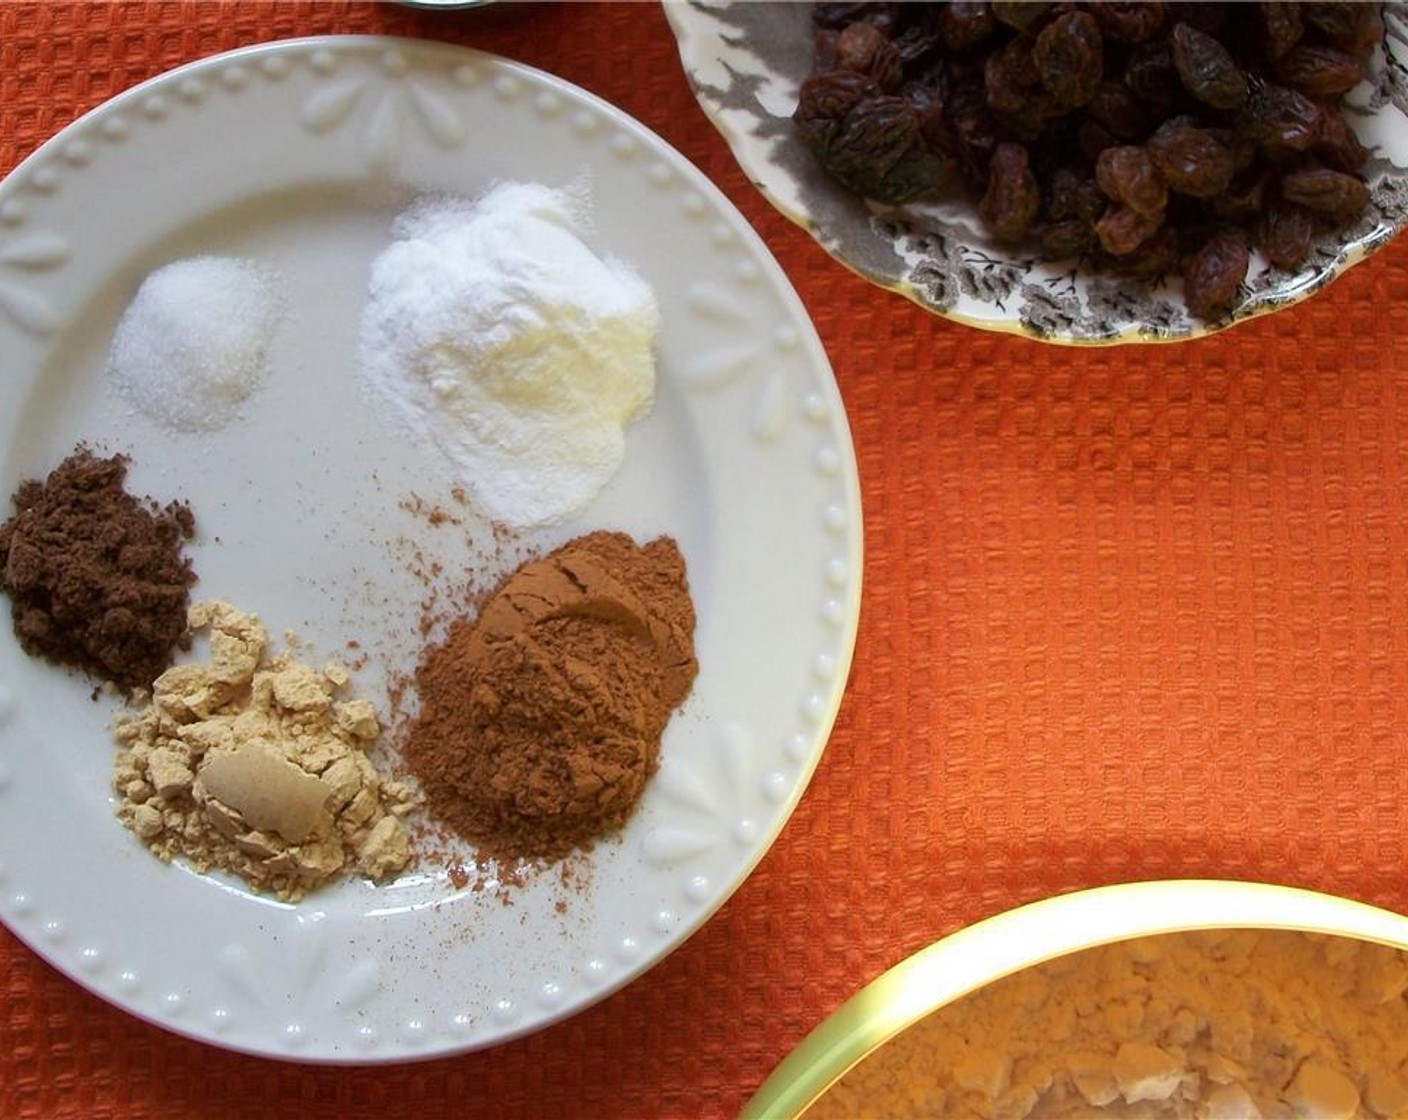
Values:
[(1128, 613)]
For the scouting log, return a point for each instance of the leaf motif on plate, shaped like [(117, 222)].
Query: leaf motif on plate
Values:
[(713, 369), (712, 301), (700, 787), (309, 949), (305, 964), (235, 965), (667, 847), (384, 130), (28, 310), (42, 250), (329, 107), (357, 985), (31, 252), (444, 125), (770, 407)]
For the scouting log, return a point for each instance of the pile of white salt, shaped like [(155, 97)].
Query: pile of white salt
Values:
[(193, 344)]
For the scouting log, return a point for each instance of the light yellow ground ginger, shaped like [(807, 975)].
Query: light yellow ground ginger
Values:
[(258, 767)]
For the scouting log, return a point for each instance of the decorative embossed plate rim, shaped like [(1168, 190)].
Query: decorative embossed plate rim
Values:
[(745, 61), (297, 154)]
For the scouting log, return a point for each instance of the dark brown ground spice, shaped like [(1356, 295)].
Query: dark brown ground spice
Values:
[(540, 721), (96, 577)]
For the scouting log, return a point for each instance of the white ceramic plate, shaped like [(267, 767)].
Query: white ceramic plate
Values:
[(297, 155), (746, 62)]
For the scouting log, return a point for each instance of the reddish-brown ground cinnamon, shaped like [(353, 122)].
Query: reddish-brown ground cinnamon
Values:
[(540, 720), (96, 577)]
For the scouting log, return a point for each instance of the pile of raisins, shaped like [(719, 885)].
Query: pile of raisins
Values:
[(1149, 138)]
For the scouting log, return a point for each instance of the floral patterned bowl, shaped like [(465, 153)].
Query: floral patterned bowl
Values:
[(745, 62)]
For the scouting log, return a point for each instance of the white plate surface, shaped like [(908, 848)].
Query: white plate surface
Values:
[(297, 155)]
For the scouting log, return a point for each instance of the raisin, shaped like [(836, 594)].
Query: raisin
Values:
[(1337, 145), (1332, 193), (928, 104), (1206, 16), (824, 50), (885, 17), (1130, 22), (1351, 25), (1320, 71), (1074, 196), (918, 44), (937, 73), (1283, 234), (1245, 153), (1029, 120), (1010, 76), (880, 153), (1021, 15), (1151, 76), (1155, 256), (1092, 138), (1206, 69), (1068, 57), (1213, 273), (1191, 160), (1070, 238), (1013, 199), (1245, 196), (1127, 174), (963, 26), (823, 102), (1118, 111), (975, 128), (1281, 26), (864, 50), (1280, 118), (1121, 230)]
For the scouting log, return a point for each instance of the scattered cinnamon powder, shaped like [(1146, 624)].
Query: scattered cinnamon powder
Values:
[(96, 577), (540, 721)]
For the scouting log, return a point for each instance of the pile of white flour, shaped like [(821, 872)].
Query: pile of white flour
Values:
[(1230, 1025), (496, 332)]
